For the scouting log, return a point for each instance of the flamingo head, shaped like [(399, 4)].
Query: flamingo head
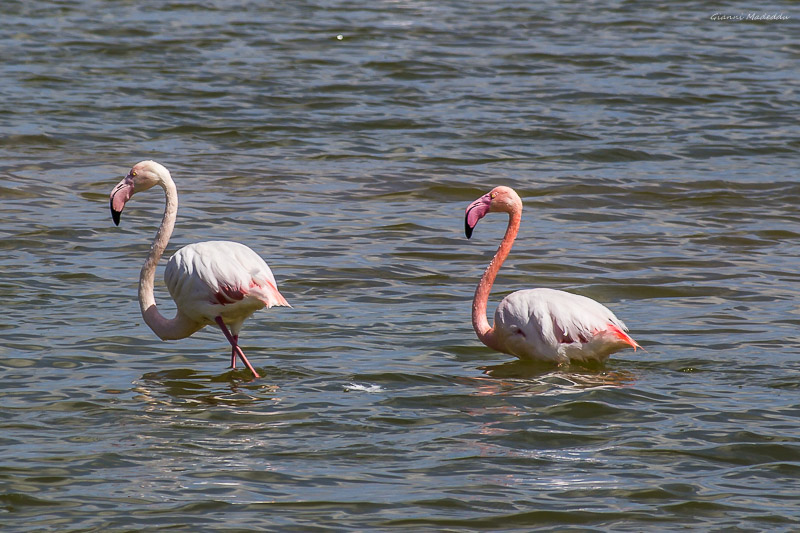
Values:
[(498, 199), (141, 177)]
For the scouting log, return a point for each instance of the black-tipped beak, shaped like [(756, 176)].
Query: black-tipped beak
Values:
[(476, 211), (119, 196), (115, 216)]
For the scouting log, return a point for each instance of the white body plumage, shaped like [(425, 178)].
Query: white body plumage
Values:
[(557, 326), (221, 278)]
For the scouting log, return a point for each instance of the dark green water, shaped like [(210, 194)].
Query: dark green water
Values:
[(656, 151)]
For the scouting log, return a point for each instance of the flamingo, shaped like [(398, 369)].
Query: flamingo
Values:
[(220, 282), (539, 324)]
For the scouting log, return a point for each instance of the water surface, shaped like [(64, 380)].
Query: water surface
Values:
[(655, 150)]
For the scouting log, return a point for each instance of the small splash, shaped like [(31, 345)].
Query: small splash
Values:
[(362, 388)]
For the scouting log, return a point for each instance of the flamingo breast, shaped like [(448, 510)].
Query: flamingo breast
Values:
[(220, 278)]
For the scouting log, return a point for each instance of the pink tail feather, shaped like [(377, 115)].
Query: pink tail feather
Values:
[(624, 337), (270, 294)]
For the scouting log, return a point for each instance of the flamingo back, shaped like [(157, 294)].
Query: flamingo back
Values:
[(557, 326)]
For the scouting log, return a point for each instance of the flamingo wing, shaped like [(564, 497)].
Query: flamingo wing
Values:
[(547, 324), (215, 278)]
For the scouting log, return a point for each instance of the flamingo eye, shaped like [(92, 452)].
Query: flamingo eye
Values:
[(133, 173), (493, 195)]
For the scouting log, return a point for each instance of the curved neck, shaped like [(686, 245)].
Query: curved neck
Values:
[(180, 326), (479, 321)]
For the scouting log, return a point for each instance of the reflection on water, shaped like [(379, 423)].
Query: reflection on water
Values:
[(527, 377), (185, 386)]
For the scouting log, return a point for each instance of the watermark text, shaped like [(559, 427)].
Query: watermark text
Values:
[(747, 17)]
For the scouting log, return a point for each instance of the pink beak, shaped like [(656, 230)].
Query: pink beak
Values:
[(119, 196), (476, 211)]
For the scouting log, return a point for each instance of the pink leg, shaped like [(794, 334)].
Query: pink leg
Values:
[(233, 351), (235, 345)]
